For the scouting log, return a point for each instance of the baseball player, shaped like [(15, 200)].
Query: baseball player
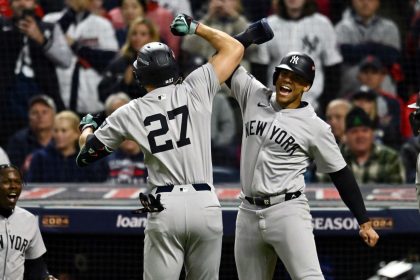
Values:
[(415, 126), (281, 134), (171, 123), (21, 244)]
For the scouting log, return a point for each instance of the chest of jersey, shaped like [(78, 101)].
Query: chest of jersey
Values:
[(14, 239)]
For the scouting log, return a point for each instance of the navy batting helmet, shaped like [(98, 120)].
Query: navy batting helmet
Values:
[(299, 63), (156, 65)]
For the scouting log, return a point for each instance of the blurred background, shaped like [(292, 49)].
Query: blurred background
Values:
[(61, 59)]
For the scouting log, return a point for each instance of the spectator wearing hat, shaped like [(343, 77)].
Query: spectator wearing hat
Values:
[(370, 162), (391, 109), (364, 32), (31, 51), (37, 135)]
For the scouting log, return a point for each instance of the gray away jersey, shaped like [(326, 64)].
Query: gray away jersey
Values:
[(20, 239), (277, 144), (172, 126)]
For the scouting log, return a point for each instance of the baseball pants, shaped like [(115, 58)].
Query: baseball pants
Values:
[(283, 230), (189, 231)]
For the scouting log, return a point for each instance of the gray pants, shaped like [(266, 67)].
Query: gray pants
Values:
[(283, 230), (188, 231)]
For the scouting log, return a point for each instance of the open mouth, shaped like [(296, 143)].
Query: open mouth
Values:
[(12, 197), (285, 90)]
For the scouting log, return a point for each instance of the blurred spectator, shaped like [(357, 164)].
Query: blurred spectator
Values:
[(362, 32), (298, 27), (97, 8), (119, 74), (126, 165), (335, 115), (93, 42), (31, 50), (225, 15), (37, 135), (4, 159), (176, 6), (57, 162), (123, 16), (130, 9), (390, 108), (387, 126), (223, 129), (370, 162), (163, 18)]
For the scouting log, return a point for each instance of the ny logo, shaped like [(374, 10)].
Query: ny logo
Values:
[(294, 59)]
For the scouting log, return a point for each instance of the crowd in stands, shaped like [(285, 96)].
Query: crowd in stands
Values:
[(63, 59)]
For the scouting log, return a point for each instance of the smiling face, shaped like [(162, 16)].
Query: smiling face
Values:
[(10, 187), (289, 89), (360, 139)]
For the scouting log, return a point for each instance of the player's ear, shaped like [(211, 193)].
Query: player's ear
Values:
[(306, 88)]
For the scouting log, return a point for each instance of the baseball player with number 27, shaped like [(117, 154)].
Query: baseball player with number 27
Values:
[(21, 244), (171, 123), (281, 134)]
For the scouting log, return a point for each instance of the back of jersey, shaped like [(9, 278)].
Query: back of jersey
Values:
[(172, 126)]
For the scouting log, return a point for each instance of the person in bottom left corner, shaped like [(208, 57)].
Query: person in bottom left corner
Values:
[(21, 243)]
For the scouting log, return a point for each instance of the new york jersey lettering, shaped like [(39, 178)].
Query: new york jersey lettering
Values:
[(278, 135)]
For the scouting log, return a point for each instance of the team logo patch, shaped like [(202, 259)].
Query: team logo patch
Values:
[(294, 59)]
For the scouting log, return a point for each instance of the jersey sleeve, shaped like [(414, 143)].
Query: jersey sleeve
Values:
[(113, 130), (330, 53), (326, 152), (36, 246), (243, 84), (203, 83)]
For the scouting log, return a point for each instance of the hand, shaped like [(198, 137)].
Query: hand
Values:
[(91, 121), (150, 204), (30, 28), (368, 234), (183, 25)]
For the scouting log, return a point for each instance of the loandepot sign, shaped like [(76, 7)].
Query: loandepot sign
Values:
[(131, 222)]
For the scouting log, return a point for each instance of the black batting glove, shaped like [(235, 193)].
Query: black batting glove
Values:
[(91, 121), (150, 204), (257, 33), (183, 24)]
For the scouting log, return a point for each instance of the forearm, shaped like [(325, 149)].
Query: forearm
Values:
[(83, 137), (350, 193)]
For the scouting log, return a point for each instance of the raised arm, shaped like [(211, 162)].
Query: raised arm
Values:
[(229, 51)]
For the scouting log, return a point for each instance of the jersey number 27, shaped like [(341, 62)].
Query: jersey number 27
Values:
[(164, 128)]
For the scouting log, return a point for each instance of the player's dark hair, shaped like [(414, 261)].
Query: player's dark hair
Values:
[(310, 7), (141, 2)]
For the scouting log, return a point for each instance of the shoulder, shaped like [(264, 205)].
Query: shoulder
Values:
[(346, 22), (52, 17), (22, 213), (387, 23), (274, 19), (319, 18), (386, 151), (20, 136)]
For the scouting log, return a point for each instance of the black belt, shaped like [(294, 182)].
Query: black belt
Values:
[(197, 187), (271, 200)]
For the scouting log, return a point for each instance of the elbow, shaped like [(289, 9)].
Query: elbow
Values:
[(237, 51)]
